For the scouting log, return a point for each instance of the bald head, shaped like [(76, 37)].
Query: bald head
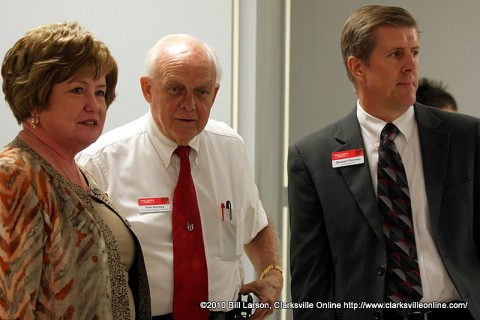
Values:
[(180, 47)]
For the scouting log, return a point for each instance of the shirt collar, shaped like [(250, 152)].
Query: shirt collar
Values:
[(372, 126), (164, 146)]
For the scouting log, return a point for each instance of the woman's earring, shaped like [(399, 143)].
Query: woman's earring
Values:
[(34, 121)]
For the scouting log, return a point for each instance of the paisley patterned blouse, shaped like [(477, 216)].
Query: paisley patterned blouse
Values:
[(58, 258)]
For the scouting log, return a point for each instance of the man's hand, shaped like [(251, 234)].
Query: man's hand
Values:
[(267, 290)]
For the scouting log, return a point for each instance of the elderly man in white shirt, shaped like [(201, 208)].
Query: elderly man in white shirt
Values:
[(137, 166)]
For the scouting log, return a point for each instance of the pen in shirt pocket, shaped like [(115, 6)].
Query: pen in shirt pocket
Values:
[(222, 206), (227, 206)]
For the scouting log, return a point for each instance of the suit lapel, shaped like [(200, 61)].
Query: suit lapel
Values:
[(358, 177), (434, 145)]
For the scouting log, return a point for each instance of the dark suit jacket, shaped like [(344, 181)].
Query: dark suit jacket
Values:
[(337, 246)]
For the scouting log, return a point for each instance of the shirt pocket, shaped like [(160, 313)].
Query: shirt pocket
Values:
[(231, 225)]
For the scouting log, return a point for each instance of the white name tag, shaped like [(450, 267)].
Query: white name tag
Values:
[(347, 158), (151, 205)]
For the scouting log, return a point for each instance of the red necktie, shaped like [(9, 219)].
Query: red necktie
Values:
[(189, 263), (403, 283)]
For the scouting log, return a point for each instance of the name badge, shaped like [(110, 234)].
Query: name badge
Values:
[(152, 205), (347, 158)]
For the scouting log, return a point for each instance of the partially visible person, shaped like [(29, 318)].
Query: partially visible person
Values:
[(66, 252), (139, 165), (385, 202), (434, 93)]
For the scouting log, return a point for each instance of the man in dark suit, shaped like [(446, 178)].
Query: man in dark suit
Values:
[(342, 243)]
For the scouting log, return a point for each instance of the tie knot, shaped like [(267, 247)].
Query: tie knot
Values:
[(183, 152), (389, 132)]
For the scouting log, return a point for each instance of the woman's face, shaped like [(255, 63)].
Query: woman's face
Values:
[(75, 113)]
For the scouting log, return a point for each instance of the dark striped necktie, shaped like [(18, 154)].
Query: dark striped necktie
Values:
[(403, 282)]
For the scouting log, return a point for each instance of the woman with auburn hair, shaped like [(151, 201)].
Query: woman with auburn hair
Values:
[(65, 250)]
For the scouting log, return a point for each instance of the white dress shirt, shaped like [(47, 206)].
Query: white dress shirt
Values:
[(137, 167), (436, 283)]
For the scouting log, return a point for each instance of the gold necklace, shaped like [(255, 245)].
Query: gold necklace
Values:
[(49, 151)]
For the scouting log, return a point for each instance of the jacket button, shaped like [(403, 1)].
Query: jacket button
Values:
[(381, 271)]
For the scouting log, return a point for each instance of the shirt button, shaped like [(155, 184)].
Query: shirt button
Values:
[(381, 271)]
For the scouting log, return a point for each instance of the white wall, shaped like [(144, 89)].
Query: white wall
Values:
[(129, 28)]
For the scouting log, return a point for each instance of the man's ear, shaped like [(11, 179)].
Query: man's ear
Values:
[(146, 88), (356, 68), (217, 87)]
